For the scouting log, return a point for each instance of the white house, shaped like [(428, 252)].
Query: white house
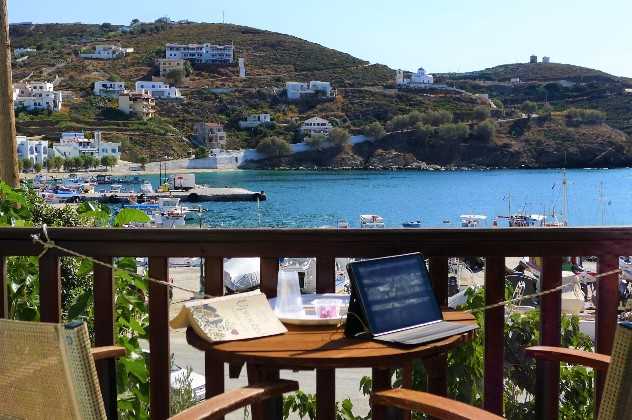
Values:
[(315, 125), (201, 53), (108, 88), (255, 120), (158, 90), (74, 144), (34, 96), (419, 80), (19, 52), (106, 52), (297, 89), (34, 150)]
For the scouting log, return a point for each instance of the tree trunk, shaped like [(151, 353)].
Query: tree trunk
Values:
[(8, 148)]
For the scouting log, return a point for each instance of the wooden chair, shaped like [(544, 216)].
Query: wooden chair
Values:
[(616, 402), (47, 371)]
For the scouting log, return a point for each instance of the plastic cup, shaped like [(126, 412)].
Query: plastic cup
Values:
[(289, 300), (326, 308)]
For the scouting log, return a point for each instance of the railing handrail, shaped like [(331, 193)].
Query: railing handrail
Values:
[(607, 243), (616, 240)]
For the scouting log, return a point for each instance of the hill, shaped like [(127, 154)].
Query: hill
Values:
[(365, 94), (537, 72), (523, 143)]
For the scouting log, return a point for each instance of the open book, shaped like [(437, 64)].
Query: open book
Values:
[(228, 318), (47, 372)]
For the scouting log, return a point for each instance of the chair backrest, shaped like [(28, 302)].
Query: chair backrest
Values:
[(616, 401), (47, 372)]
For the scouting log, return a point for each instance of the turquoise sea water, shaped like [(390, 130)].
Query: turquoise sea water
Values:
[(313, 199)]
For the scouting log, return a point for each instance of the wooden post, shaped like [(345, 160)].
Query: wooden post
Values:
[(50, 288), (494, 337), (326, 378), (438, 370), (547, 392), (606, 319), (104, 335), (4, 292), (159, 354), (214, 286), (8, 147)]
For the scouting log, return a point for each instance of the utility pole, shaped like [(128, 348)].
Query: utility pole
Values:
[(8, 147)]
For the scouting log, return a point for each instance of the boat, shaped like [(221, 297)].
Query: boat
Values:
[(146, 188), (412, 224), (170, 213), (342, 224), (115, 189), (371, 221), (472, 220), (525, 220)]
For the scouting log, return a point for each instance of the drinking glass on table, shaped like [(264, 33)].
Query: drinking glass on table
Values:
[(289, 300)]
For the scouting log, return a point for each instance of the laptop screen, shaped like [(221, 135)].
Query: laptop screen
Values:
[(395, 292)]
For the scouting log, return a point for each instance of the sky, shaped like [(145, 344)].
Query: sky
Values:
[(440, 35)]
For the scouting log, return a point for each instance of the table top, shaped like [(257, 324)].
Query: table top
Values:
[(327, 347)]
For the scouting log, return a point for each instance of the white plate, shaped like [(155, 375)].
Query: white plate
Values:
[(309, 317)]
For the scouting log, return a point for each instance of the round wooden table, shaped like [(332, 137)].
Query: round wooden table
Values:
[(325, 349)]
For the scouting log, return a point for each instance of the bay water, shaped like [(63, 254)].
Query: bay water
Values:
[(298, 199)]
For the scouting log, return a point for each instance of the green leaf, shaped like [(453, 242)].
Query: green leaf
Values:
[(137, 368), (80, 305), (127, 216)]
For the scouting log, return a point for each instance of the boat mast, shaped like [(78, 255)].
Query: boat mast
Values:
[(565, 196)]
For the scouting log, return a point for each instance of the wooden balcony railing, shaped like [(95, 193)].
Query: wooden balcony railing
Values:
[(439, 244)]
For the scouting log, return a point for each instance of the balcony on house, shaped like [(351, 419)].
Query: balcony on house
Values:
[(325, 245)]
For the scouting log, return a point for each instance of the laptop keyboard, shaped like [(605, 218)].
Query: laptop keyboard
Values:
[(426, 333)]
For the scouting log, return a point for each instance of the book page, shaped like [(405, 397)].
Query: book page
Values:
[(233, 317)]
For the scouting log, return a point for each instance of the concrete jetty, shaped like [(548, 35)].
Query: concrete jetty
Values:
[(195, 195)]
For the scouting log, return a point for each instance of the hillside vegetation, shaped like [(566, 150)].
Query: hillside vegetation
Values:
[(366, 96)]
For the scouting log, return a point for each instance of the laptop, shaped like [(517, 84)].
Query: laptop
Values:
[(392, 300)]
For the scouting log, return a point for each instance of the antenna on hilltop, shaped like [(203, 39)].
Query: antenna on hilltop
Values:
[(223, 21)]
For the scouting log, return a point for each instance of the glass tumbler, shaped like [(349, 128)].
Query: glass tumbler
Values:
[(289, 300)]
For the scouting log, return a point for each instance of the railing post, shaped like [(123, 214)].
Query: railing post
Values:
[(606, 315), (214, 286), (50, 288), (438, 270), (104, 292), (159, 354), (494, 334), (326, 378), (547, 392), (272, 408), (438, 370), (4, 292), (269, 273)]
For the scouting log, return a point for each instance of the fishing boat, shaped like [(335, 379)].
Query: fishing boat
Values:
[(371, 221), (412, 224)]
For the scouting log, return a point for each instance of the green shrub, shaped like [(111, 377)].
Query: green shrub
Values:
[(316, 141), (481, 113), (579, 116), (375, 130), (485, 131), (273, 147), (338, 137), (453, 132), (437, 118)]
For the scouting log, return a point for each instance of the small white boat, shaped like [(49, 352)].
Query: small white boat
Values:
[(472, 220), (371, 221), (115, 189), (146, 188)]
